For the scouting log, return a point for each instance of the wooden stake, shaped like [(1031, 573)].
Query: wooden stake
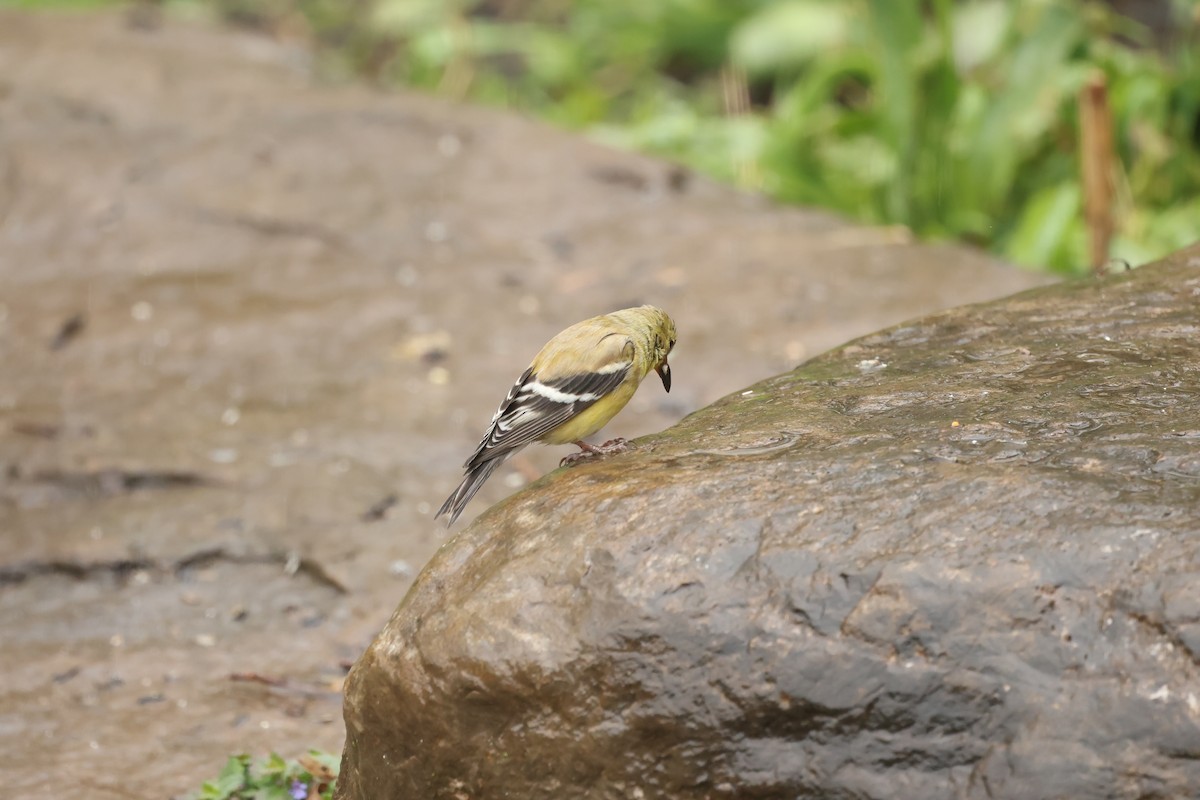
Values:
[(1098, 167)]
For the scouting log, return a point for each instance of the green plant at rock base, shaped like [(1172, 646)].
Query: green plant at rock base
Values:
[(307, 778)]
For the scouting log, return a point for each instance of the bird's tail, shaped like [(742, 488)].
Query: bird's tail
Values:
[(471, 484)]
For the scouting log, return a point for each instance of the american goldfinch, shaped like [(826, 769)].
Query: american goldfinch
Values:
[(575, 385)]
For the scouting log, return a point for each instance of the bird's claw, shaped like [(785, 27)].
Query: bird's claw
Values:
[(589, 450), (575, 457)]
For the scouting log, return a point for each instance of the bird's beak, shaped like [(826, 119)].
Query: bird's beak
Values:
[(664, 372)]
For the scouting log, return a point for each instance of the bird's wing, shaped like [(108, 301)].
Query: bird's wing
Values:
[(535, 406)]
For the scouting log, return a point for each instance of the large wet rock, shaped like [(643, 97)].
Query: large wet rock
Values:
[(956, 559)]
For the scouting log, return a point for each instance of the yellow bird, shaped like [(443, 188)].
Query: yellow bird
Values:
[(575, 385)]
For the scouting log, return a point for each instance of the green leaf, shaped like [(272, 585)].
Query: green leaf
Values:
[(274, 765), (979, 30), (897, 29), (1042, 234), (402, 17), (785, 36), (272, 792), (1028, 94)]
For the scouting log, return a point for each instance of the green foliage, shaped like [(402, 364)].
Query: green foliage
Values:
[(956, 118), (961, 122), (273, 778)]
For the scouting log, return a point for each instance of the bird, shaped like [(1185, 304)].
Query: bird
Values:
[(577, 383)]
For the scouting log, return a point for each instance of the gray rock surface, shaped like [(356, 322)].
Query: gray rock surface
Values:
[(959, 558)]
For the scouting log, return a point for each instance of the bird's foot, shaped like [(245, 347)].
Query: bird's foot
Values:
[(574, 458), (589, 450)]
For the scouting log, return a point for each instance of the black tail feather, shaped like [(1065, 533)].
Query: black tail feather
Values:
[(476, 476)]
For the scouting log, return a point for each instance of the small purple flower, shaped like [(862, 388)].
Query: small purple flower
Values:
[(299, 790)]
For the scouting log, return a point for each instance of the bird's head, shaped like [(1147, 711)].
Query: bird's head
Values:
[(664, 342)]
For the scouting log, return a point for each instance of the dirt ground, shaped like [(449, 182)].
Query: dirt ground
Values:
[(250, 325)]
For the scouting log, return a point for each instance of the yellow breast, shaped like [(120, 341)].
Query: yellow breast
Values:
[(594, 418)]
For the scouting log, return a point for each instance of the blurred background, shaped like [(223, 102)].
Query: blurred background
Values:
[(1055, 133)]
